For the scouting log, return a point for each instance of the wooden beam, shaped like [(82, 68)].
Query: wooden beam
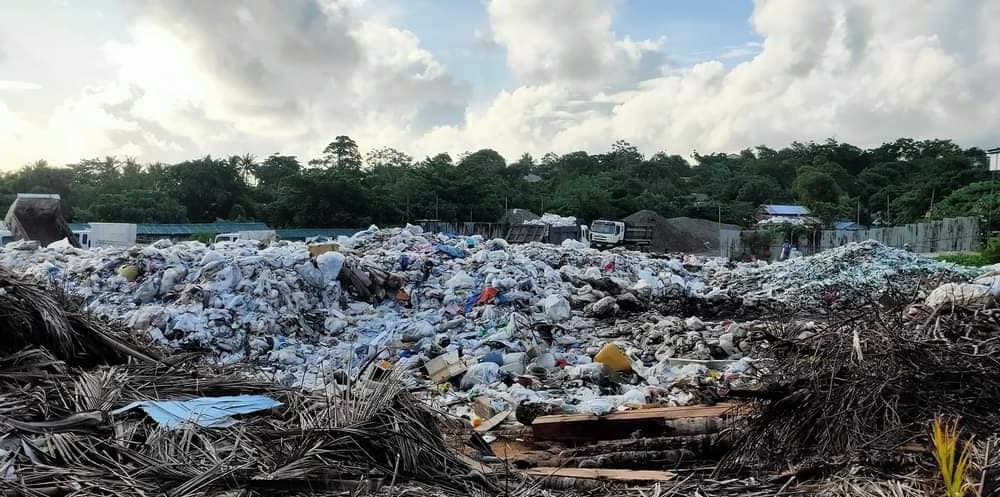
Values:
[(660, 421), (491, 423), (603, 474)]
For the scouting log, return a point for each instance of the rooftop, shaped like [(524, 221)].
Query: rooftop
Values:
[(784, 210)]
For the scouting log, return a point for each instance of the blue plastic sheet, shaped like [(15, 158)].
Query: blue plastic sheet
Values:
[(208, 412), (454, 252), (470, 302)]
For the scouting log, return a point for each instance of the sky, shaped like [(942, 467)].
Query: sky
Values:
[(168, 80)]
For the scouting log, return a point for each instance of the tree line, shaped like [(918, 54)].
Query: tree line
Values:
[(898, 182)]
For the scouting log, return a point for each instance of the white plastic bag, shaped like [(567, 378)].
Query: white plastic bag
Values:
[(556, 308), (330, 264), (461, 279), (483, 373)]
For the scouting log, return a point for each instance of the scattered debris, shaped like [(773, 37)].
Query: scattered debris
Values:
[(442, 365)]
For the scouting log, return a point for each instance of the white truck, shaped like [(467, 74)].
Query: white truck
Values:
[(606, 234), (107, 235), (263, 236)]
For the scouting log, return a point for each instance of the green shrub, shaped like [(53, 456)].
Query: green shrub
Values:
[(206, 238), (989, 255), (992, 251), (972, 259)]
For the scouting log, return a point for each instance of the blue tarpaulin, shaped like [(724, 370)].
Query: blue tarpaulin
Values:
[(208, 412), (455, 252)]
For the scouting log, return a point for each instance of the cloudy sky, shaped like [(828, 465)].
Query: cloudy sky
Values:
[(166, 80)]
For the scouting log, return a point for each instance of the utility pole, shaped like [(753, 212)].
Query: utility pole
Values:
[(994, 165)]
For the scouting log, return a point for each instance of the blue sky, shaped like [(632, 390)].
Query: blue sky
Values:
[(170, 79), (694, 30)]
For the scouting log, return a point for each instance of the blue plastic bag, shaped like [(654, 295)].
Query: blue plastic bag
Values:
[(454, 252)]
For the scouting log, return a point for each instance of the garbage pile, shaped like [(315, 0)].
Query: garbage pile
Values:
[(841, 278), (553, 220), (138, 425), (616, 365), (399, 294)]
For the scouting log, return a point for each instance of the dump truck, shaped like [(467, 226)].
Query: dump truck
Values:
[(526, 233), (263, 236), (605, 234), (38, 217)]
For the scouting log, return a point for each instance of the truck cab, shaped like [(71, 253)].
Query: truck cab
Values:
[(83, 237), (604, 232), (227, 237), (263, 236)]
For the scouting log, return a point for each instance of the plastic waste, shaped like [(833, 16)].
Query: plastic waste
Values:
[(483, 373), (613, 357), (207, 412), (330, 264), (598, 406), (556, 308), (128, 271), (461, 279), (958, 294)]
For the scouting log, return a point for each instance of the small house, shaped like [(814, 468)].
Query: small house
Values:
[(785, 214)]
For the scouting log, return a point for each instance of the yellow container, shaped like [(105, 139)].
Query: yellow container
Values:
[(613, 357), (129, 271)]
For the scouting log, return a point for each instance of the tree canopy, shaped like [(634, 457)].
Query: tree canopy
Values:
[(902, 181)]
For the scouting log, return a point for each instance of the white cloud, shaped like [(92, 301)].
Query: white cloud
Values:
[(860, 71), (568, 42), (192, 78), (198, 77), (18, 86)]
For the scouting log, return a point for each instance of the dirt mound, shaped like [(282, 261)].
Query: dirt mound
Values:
[(681, 234)]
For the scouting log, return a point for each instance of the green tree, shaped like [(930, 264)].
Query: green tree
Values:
[(342, 153), (813, 186)]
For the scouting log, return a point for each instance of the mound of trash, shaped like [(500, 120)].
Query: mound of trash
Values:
[(843, 277), (94, 412), (416, 293), (553, 220)]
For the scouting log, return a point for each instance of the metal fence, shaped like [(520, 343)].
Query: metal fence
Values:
[(486, 230), (960, 234)]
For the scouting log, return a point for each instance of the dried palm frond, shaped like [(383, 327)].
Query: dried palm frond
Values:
[(33, 314), (829, 400)]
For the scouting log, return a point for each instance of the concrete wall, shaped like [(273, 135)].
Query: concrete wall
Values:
[(946, 235)]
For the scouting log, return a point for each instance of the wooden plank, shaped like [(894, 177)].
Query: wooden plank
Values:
[(493, 422), (603, 474), (653, 413), (510, 449), (648, 422)]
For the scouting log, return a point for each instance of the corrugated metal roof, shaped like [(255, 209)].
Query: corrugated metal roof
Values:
[(188, 229), (847, 226), (184, 229), (785, 210), (303, 233)]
